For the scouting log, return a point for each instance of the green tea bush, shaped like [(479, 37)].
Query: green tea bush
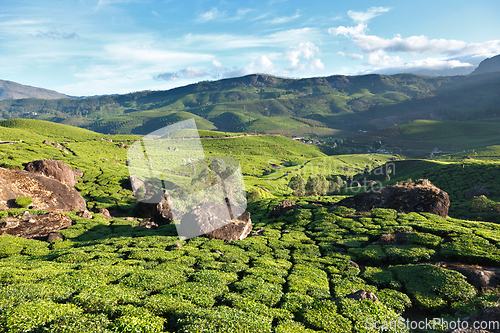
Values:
[(200, 293), (81, 322), (364, 313), (425, 239), (23, 202), (471, 249), (255, 288), (372, 254), (322, 315), (103, 298), (346, 285), (309, 280), (394, 300), (384, 213), (165, 305), (154, 280), (380, 278), (222, 319), (294, 302), (146, 323), (291, 326), (402, 254), (431, 287), (30, 316)]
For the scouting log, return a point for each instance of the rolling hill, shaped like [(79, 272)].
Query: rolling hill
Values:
[(334, 108), (13, 90)]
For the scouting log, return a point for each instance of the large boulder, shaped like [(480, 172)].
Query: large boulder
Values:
[(47, 193), (417, 196), (35, 226), (283, 207), (214, 221), (158, 210), (53, 169), (477, 191)]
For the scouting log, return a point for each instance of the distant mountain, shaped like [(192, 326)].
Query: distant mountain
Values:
[(13, 90), (488, 65)]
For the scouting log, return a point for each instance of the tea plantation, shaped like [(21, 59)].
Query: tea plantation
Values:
[(111, 275)]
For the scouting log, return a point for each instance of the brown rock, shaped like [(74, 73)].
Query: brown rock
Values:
[(283, 207), (106, 213), (53, 169), (477, 192), (214, 221), (47, 193), (160, 213), (53, 236), (418, 196), (487, 315), (362, 295), (148, 224), (39, 226), (78, 173), (85, 214), (482, 278)]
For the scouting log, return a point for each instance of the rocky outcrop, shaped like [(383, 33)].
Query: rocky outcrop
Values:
[(53, 169), (106, 213), (482, 278), (47, 193), (214, 220), (488, 315), (362, 295), (159, 213), (283, 207), (418, 196), (476, 192), (35, 226)]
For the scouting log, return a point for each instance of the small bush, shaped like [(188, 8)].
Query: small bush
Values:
[(24, 202)]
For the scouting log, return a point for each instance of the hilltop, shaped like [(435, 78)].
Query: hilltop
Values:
[(334, 107), (488, 65), (13, 90)]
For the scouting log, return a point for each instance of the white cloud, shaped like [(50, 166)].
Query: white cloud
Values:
[(412, 45), (145, 54), (211, 15), (303, 56), (348, 31), (284, 38), (218, 65), (381, 59), (187, 73), (284, 19), (261, 65), (355, 56), (368, 15)]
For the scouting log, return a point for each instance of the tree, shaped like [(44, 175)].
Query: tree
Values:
[(316, 185), (298, 185), (481, 203)]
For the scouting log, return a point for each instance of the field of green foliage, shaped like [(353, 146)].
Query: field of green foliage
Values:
[(115, 276)]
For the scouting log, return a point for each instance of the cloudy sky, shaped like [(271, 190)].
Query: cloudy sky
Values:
[(94, 47)]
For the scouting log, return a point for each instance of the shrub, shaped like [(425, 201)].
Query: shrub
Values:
[(32, 315), (425, 239), (257, 289), (82, 323), (380, 278), (200, 293), (23, 202), (372, 254), (394, 300), (146, 323), (365, 313), (323, 315), (222, 319), (403, 254)]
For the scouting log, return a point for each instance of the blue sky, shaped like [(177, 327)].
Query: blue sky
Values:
[(94, 47)]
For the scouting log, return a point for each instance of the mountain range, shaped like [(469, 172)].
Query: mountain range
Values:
[(13, 90), (362, 108)]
